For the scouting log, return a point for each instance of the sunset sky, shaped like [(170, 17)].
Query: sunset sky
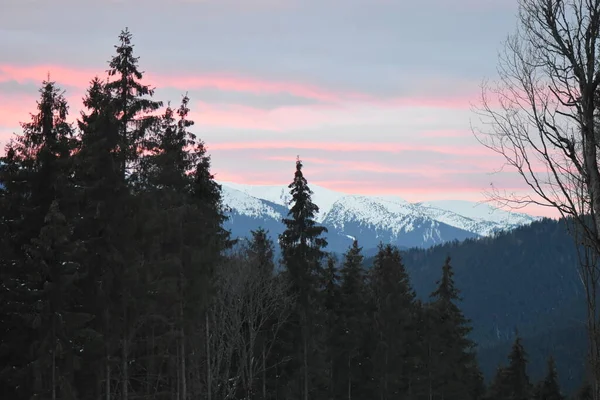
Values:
[(375, 95)]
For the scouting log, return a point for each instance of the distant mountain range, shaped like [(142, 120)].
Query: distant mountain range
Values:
[(506, 282), (370, 219)]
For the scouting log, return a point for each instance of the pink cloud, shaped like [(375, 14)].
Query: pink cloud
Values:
[(232, 116), (445, 133), (379, 168), (80, 78), (387, 147)]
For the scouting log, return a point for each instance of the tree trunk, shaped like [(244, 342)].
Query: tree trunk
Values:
[(181, 313), (208, 360), (429, 371), (54, 357), (305, 361), (54, 374), (107, 382), (183, 371), (264, 374), (124, 356), (349, 377), (108, 377), (177, 387)]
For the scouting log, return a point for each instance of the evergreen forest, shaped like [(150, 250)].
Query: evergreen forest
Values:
[(118, 280)]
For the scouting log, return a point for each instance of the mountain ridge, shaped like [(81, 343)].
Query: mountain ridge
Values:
[(369, 218)]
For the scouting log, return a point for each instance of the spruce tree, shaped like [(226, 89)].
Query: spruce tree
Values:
[(57, 319), (112, 133), (457, 374), (261, 251), (302, 249), (328, 320), (512, 382), (393, 322), (34, 172), (185, 240), (549, 388), (353, 322), (36, 166), (132, 102), (516, 372)]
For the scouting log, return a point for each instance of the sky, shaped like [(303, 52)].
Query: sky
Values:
[(375, 96)]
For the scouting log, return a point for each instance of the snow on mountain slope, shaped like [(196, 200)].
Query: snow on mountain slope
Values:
[(280, 194), (485, 218), (477, 210), (383, 214), (247, 205), (372, 218)]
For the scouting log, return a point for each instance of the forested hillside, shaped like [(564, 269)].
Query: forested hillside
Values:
[(118, 280), (525, 279)]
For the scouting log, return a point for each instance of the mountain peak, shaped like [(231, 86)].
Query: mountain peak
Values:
[(370, 219)]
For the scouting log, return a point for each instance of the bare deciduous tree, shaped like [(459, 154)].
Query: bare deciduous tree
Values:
[(246, 315), (541, 117)]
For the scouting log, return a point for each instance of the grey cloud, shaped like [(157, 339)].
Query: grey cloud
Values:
[(381, 47), (12, 87), (265, 101)]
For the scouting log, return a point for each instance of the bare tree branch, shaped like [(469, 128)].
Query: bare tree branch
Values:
[(541, 116)]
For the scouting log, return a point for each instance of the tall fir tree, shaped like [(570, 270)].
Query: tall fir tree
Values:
[(456, 372), (183, 199), (512, 382), (112, 133), (353, 324), (302, 248), (34, 172), (393, 320), (261, 251), (549, 387), (105, 228), (56, 317), (328, 322), (131, 101)]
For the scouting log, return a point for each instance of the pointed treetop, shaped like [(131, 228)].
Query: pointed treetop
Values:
[(353, 258), (517, 367), (446, 291), (124, 62), (550, 388), (261, 251), (301, 227)]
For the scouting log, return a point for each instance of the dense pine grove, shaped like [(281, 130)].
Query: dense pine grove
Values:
[(118, 280)]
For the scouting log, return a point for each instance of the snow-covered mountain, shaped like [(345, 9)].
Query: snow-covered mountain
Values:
[(370, 219)]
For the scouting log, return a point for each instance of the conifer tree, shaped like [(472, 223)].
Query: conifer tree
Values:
[(512, 382), (549, 388), (393, 321), (34, 172), (302, 253), (36, 166), (131, 101), (182, 198), (112, 134), (516, 372), (105, 228), (57, 321), (330, 332), (261, 251), (353, 322), (457, 375)]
